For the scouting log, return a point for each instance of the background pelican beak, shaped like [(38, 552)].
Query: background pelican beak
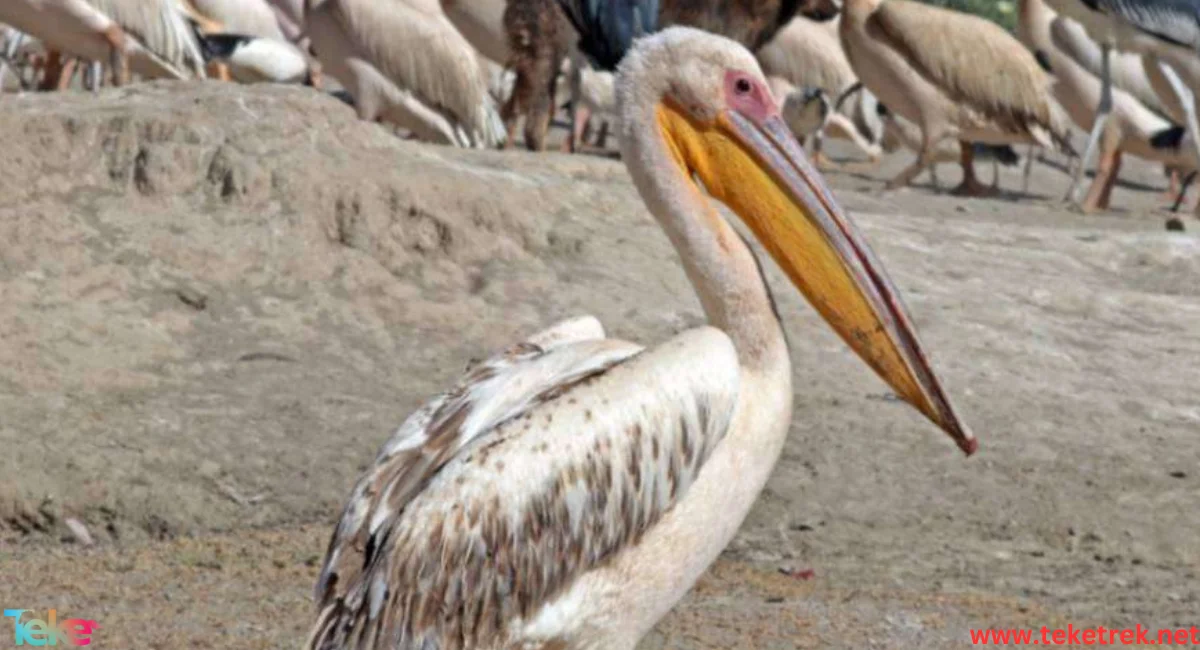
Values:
[(755, 166)]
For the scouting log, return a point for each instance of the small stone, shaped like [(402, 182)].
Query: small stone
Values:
[(192, 298), (209, 469), (1178, 474), (1175, 224), (79, 532), (797, 574)]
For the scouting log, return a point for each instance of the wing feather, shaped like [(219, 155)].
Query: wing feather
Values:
[(1002, 80), (414, 44), (161, 29), (1174, 21), (515, 515), (808, 54)]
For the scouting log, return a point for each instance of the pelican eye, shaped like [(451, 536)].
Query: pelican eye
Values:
[(742, 86)]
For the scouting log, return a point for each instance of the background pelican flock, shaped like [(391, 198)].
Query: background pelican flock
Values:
[(569, 490), (873, 73)]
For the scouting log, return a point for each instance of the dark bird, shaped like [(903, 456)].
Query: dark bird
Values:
[(608, 27)]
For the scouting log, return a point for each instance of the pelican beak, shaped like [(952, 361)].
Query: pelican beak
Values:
[(754, 165)]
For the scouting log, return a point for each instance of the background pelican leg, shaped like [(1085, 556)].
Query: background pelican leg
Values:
[(1187, 99), (970, 185), (1107, 166), (1098, 122), (1033, 150), (1183, 188), (94, 76), (579, 114)]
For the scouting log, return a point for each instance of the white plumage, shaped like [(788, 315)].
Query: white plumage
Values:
[(151, 34), (404, 63), (246, 17), (567, 492), (258, 60)]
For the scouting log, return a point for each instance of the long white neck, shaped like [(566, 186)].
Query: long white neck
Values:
[(722, 269), (734, 295)]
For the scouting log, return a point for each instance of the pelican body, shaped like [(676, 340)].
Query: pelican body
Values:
[(146, 37), (404, 63), (567, 492), (1167, 32), (953, 75), (1133, 126)]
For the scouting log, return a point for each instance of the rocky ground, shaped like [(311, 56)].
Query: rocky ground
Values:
[(217, 301)]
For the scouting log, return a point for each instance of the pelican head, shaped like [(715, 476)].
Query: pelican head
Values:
[(699, 103)]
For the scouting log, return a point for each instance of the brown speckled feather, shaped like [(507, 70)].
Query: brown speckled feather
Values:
[(542, 463), (1001, 79)]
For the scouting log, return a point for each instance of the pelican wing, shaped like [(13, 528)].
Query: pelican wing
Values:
[(248, 17), (160, 28), (808, 53), (541, 465), (412, 43), (1174, 21), (973, 61)]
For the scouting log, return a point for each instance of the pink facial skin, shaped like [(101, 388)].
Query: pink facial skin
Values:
[(748, 96)]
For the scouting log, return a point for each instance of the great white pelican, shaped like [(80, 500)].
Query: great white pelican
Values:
[(567, 492)]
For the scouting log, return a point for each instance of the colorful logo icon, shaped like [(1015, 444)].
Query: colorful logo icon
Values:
[(38, 632)]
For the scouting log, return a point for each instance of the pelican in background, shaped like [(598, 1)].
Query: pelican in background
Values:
[(1167, 31), (567, 492), (404, 63), (954, 76), (145, 37), (1133, 127), (481, 22)]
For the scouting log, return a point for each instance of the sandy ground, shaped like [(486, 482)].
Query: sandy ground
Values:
[(216, 302)]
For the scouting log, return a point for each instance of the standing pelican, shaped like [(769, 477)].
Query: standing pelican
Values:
[(1166, 30), (146, 37), (403, 62), (567, 492), (1133, 127), (955, 76)]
